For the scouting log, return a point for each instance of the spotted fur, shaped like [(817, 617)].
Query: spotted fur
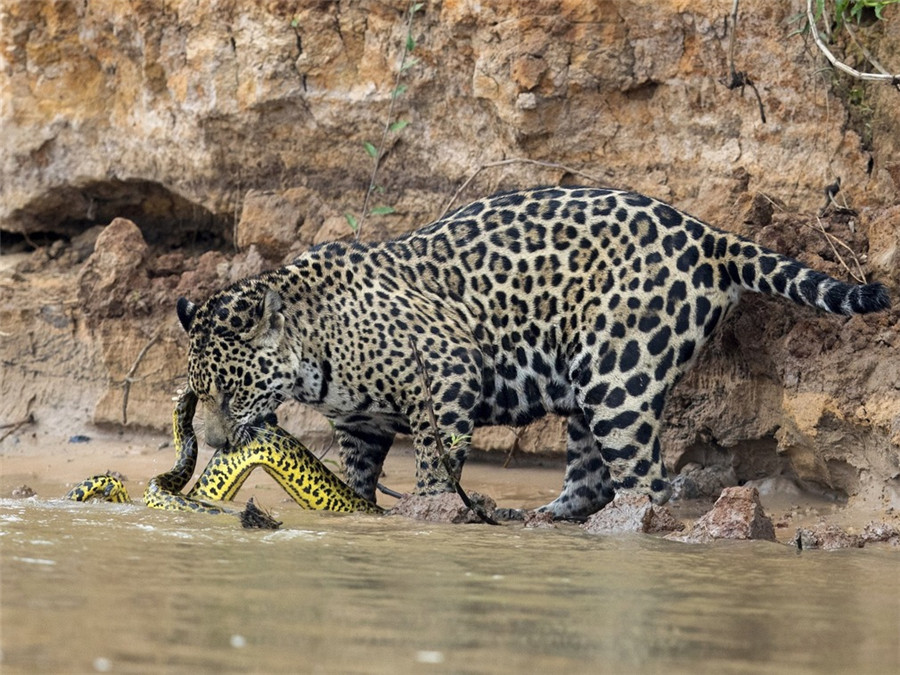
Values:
[(586, 303)]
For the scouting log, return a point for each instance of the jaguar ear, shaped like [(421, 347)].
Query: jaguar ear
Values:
[(186, 311), (269, 320)]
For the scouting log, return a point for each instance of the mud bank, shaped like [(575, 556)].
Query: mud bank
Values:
[(208, 143)]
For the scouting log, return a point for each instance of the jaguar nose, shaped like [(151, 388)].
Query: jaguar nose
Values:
[(216, 439)]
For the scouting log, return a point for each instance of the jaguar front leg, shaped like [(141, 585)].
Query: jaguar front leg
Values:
[(363, 446)]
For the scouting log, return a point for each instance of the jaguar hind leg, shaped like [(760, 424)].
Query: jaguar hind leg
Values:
[(587, 486), (625, 424)]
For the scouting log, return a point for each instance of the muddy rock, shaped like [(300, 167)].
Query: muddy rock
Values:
[(447, 507), (884, 244), (696, 481), (831, 537), (632, 513), (208, 273), (114, 278), (875, 532), (538, 520), (275, 221), (826, 536), (23, 492), (737, 514)]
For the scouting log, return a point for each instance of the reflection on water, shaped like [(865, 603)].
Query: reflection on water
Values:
[(119, 588)]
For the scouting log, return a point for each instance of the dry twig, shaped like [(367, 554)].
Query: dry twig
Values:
[(439, 444), (13, 427), (882, 76), (516, 160), (859, 275), (129, 376)]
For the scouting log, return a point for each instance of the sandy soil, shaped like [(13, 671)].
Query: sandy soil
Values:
[(49, 464)]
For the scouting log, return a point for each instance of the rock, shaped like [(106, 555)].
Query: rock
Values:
[(737, 514), (83, 244), (826, 536), (209, 273), (535, 520), (255, 518), (881, 533), (114, 278), (759, 212), (446, 507), (272, 221), (246, 264), (695, 481), (545, 436), (22, 492), (632, 513), (884, 244), (831, 537)]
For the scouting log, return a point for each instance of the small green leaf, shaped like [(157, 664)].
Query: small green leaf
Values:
[(401, 88), (352, 221), (416, 7), (399, 125), (371, 149), (409, 63), (295, 23), (382, 210), (410, 43)]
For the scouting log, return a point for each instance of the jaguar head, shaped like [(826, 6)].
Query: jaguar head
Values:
[(239, 361)]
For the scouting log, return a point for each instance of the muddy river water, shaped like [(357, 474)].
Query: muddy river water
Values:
[(120, 588)]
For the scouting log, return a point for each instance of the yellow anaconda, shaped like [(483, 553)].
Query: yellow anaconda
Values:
[(305, 478)]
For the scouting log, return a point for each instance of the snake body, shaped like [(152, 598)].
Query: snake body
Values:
[(303, 476)]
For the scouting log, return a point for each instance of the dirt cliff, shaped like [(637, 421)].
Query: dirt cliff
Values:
[(151, 150)]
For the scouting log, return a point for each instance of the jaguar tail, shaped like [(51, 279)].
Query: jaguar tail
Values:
[(758, 269)]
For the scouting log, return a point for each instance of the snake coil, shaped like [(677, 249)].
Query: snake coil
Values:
[(302, 475)]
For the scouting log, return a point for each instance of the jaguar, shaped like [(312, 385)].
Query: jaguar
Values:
[(581, 302)]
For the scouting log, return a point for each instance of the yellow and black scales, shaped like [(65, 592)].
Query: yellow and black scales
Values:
[(303, 476)]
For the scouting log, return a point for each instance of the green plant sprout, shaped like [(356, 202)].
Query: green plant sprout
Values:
[(391, 126)]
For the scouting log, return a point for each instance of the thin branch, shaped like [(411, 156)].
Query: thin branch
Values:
[(515, 160), (129, 376), (865, 52), (15, 426), (734, 14), (513, 450), (872, 77), (831, 239), (439, 444)]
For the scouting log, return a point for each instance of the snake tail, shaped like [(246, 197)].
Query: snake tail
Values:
[(103, 487)]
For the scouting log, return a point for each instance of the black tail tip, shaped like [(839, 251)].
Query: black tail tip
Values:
[(870, 298)]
